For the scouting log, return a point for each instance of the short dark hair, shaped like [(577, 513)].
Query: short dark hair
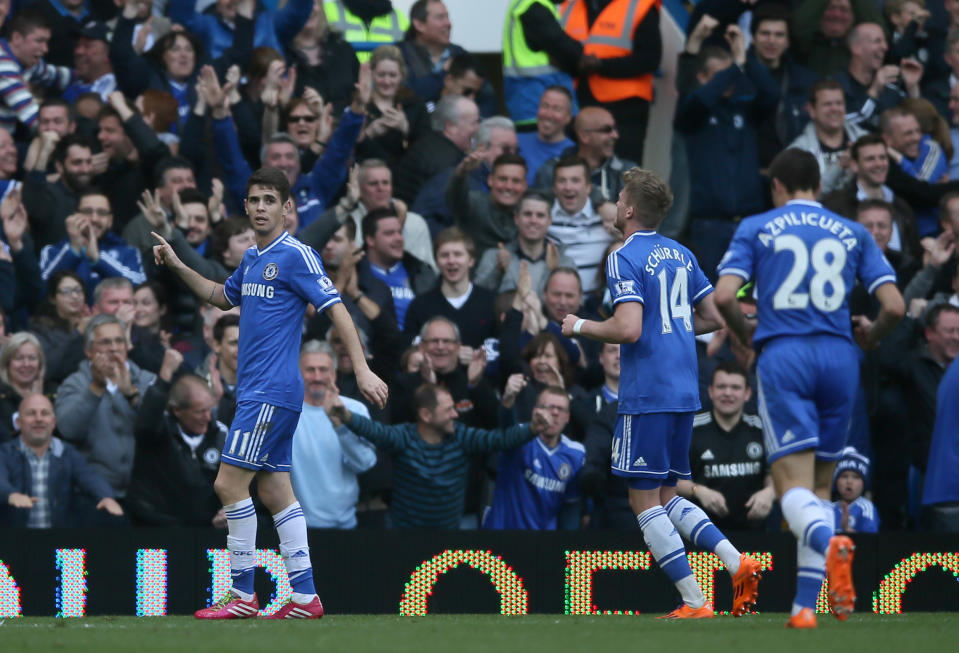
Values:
[(559, 88), (796, 170), (555, 390), (370, 221), (463, 63), (94, 190), (225, 230), (509, 159), (944, 203), (533, 195), (865, 141), (222, 324), (933, 314), (272, 178), (350, 226), (711, 52), (872, 204), (68, 141), (571, 161), (25, 21), (822, 85), (166, 164), (730, 367), (772, 12), (454, 235), (563, 269), (418, 11), (427, 396), (58, 102), (192, 196)]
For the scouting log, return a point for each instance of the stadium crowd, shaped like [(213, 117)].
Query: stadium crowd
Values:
[(459, 240)]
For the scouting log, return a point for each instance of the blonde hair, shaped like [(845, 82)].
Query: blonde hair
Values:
[(930, 122), (16, 341), (648, 194), (388, 53)]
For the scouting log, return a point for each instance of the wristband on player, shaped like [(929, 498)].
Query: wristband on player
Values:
[(578, 326)]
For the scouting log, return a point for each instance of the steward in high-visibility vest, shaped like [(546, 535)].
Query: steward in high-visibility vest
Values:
[(387, 28), (612, 37), (527, 72)]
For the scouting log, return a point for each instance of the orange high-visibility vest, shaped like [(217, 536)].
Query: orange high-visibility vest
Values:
[(610, 36)]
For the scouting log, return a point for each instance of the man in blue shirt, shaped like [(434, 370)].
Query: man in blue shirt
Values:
[(806, 260), (654, 283), (274, 283), (553, 116), (327, 455), (537, 484)]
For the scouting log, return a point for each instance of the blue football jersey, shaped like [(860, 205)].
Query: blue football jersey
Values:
[(805, 260), (533, 483), (272, 288), (659, 372), (863, 516), (398, 281)]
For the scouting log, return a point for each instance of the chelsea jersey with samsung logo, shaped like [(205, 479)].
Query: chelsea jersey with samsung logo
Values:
[(272, 287), (659, 372)]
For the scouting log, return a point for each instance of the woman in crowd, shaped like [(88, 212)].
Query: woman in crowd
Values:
[(59, 324), (149, 334), (322, 60), (21, 374), (395, 116), (544, 363)]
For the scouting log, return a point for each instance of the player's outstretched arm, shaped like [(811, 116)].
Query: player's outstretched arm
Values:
[(370, 385), (707, 316), (728, 305), (626, 325), (891, 309), (206, 289)]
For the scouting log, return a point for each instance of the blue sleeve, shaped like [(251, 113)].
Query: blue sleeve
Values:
[(699, 285), (874, 270), (309, 280), (623, 283), (289, 20), (58, 257), (233, 287), (183, 12), (330, 171), (739, 259), (121, 262), (226, 146)]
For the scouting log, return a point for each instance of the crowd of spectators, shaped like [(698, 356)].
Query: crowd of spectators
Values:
[(458, 238)]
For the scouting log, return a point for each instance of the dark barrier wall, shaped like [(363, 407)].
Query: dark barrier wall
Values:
[(156, 572)]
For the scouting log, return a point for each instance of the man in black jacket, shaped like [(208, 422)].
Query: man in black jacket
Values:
[(178, 447)]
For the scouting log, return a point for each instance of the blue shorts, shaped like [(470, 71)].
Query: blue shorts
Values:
[(807, 388), (261, 437), (652, 447)]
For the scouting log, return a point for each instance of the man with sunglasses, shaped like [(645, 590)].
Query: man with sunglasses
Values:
[(596, 135)]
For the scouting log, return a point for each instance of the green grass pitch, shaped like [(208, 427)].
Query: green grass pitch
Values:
[(910, 633)]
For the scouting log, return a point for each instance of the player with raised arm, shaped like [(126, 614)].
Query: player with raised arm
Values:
[(273, 284), (655, 284), (805, 261)]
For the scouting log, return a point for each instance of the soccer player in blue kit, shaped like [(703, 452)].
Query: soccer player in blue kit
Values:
[(655, 283), (805, 261), (273, 285)]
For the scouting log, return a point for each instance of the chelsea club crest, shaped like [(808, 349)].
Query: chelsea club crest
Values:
[(270, 271)]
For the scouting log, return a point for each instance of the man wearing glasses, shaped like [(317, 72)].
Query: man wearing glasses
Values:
[(537, 485), (91, 249), (596, 135)]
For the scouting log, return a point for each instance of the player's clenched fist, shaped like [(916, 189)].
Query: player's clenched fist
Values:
[(568, 323)]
